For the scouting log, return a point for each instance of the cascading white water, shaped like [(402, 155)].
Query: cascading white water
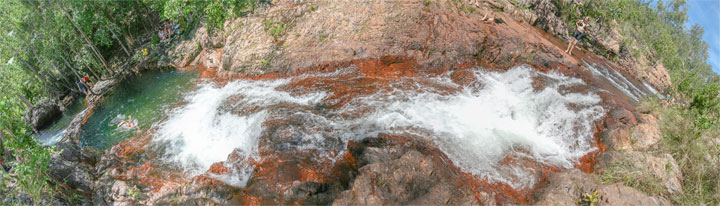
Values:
[(618, 81), (197, 134), (477, 129), (476, 126)]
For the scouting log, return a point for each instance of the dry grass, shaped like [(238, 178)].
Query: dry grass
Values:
[(696, 150)]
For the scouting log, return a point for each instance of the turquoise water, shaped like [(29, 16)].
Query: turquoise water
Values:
[(54, 133), (146, 98)]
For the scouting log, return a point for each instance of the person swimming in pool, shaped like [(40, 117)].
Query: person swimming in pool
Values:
[(128, 124)]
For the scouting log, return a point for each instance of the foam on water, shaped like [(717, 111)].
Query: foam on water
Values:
[(198, 134), (477, 126)]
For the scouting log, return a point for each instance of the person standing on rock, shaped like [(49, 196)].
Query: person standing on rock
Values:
[(578, 34), (81, 87)]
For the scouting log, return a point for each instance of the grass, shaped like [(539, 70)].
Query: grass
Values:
[(632, 176), (696, 150), (274, 29)]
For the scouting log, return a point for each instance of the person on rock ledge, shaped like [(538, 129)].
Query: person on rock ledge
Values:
[(578, 34)]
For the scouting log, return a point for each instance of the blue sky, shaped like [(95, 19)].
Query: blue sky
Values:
[(707, 14)]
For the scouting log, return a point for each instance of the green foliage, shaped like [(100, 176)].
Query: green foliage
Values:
[(658, 29), (275, 29), (30, 168), (427, 2), (215, 12), (133, 192), (31, 172), (589, 199)]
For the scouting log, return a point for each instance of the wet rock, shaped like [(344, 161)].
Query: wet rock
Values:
[(567, 188), (103, 86), (42, 114), (409, 180)]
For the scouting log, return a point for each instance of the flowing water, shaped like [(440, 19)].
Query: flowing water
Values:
[(477, 123), (143, 99), (54, 133)]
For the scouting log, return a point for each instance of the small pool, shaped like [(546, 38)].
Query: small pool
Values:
[(146, 98), (53, 134)]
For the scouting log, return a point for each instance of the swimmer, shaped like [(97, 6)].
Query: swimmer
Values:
[(128, 123)]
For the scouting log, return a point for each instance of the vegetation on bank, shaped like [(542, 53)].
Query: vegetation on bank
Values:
[(655, 30), (47, 46)]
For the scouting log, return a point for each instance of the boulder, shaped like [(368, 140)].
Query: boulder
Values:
[(547, 20), (71, 165), (645, 136), (617, 139), (77, 176), (42, 114), (411, 179), (642, 136), (103, 86), (568, 187), (620, 117), (610, 39)]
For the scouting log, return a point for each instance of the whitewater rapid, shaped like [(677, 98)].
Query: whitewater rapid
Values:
[(477, 125)]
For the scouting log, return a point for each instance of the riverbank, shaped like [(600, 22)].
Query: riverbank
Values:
[(379, 43)]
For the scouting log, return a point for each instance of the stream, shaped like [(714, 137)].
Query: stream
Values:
[(489, 124), (311, 118)]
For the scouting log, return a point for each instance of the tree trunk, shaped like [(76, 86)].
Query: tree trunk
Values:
[(75, 70), (89, 42), (2, 149), (20, 96), (7, 153), (32, 69), (65, 82), (118, 40)]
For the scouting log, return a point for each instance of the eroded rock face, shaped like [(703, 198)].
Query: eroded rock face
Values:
[(411, 179), (42, 114), (547, 19), (72, 166), (567, 188)]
